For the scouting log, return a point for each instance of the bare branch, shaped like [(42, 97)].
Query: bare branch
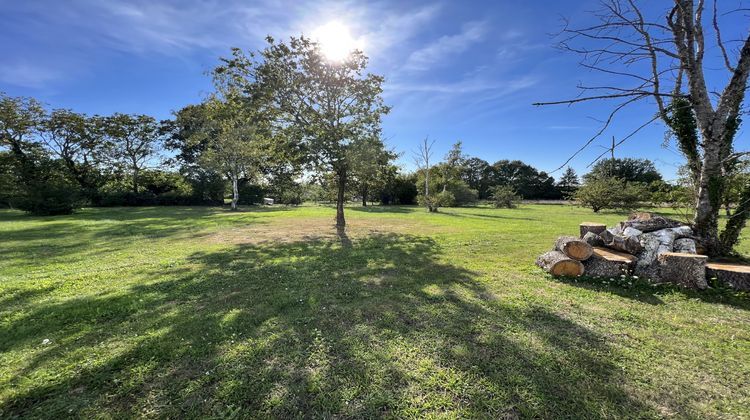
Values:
[(724, 54)]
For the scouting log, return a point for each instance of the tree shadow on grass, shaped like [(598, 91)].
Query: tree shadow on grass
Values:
[(384, 209), (309, 329), (643, 291)]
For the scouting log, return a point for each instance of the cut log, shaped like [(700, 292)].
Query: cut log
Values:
[(651, 224), (607, 263), (686, 270), (736, 276), (685, 245), (631, 231), (615, 256), (607, 236), (574, 248), (640, 215), (593, 239), (559, 264), (629, 244), (587, 227)]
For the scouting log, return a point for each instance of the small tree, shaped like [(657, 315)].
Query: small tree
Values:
[(568, 183), (611, 193), (422, 158), (327, 105), (504, 196), (370, 166)]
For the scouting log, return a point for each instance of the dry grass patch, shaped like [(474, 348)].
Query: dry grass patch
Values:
[(289, 230)]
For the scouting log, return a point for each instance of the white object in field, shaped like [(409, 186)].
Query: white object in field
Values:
[(267, 201)]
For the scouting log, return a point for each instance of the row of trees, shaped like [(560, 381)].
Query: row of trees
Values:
[(51, 160), (460, 179)]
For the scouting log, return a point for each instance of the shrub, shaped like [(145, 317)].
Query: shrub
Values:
[(462, 194), (612, 193), (251, 193), (504, 196), (49, 199), (435, 201)]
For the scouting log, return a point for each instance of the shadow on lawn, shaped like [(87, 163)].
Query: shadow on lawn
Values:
[(113, 228), (644, 292), (377, 328)]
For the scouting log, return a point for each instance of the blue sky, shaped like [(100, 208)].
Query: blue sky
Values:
[(455, 70)]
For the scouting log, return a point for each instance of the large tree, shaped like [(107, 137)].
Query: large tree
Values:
[(649, 53), (371, 166), (135, 140), (78, 141), (627, 169), (327, 105)]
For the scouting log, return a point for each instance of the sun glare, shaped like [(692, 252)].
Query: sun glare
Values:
[(335, 40)]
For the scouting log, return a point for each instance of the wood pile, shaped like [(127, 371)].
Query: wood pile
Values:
[(648, 246)]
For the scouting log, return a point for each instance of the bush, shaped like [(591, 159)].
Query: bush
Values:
[(49, 199), (462, 194), (612, 193), (207, 187), (251, 193), (435, 201), (504, 196)]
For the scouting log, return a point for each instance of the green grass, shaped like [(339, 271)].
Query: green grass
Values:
[(200, 312)]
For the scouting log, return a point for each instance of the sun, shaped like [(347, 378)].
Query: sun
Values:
[(335, 40)]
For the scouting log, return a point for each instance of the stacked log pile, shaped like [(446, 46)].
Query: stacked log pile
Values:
[(648, 246)]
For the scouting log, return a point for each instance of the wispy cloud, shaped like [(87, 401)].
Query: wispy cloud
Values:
[(27, 75), (447, 46)]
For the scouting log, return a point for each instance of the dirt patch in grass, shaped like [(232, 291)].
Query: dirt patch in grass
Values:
[(314, 229)]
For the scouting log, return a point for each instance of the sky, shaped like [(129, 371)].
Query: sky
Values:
[(466, 70)]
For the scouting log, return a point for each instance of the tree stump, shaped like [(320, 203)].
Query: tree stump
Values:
[(687, 270), (736, 276), (574, 248), (559, 264), (587, 227), (608, 263)]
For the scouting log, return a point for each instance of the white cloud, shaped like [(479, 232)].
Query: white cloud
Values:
[(446, 46)]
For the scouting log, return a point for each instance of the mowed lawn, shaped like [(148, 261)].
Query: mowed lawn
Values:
[(201, 312)]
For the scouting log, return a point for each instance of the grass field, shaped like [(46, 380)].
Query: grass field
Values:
[(201, 312)]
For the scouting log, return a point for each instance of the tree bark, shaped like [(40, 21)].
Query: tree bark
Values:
[(687, 270), (736, 222), (235, 192), (364, 197), (340, 197), (708, 204)]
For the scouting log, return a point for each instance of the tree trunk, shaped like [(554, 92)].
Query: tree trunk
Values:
[(235, 192), (340, 197), (135, 179), (364, 197), (708, 203), (687, 270), (736, 223)]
